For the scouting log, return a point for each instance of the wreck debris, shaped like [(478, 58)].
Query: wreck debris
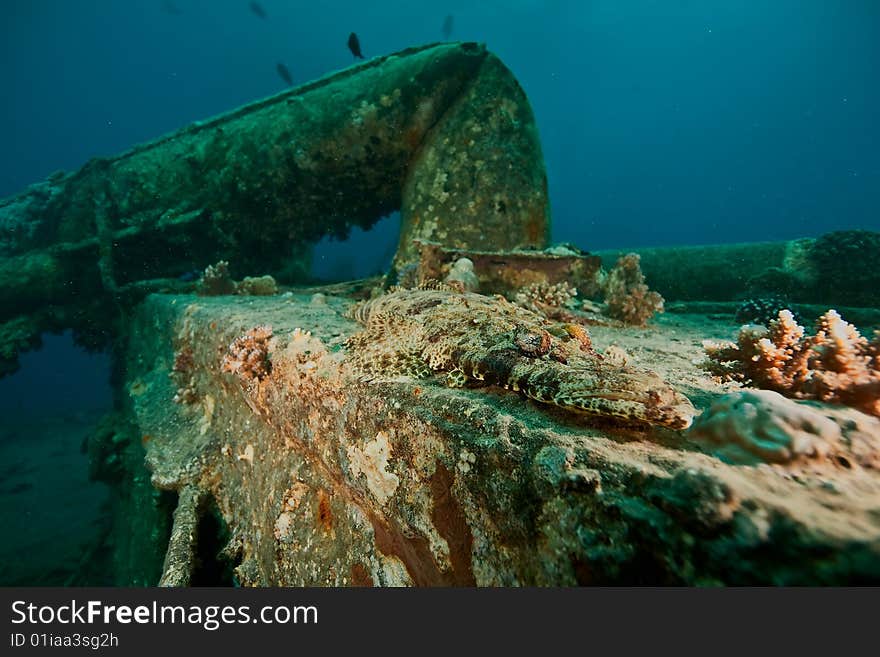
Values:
[(482, 340), (627, 297), (490, 490), (477, 180), (837, 364), (761, 426), (505, 272), (268, 180), (180, 559), (836, 269), (248, 355), (843, 267)]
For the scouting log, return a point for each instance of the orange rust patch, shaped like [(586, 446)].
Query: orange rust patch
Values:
[(413, 551), (451, 523), (325, 516), (146, 438), (536, 229), (213, 326), (417, 391), (360, 576), (413, 138)]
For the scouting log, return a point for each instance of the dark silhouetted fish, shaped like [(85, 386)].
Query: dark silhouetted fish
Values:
[(170, 8), (284, 72), (447, 26), (257, 8), (354, 45)]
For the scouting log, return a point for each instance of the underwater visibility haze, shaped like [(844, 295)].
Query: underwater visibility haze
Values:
[(479, 259)]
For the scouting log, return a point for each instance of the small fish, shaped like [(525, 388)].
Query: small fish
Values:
[(258, 10), (447, 26), (284, 72), (190, 276), (170, 8), (354, 45)]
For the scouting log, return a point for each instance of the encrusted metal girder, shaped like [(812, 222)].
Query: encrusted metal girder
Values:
[(442, 132)]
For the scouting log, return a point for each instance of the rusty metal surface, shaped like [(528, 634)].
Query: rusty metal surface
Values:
[(441, 132), (323, 479)]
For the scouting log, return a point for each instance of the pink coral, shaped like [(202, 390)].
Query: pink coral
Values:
[(552, 300), (248, 355), (626, 294), (837, 364)]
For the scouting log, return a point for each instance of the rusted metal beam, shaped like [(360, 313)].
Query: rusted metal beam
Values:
[(442, 132)]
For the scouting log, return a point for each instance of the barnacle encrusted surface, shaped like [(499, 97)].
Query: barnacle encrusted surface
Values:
[(248, 355), (490, 341)]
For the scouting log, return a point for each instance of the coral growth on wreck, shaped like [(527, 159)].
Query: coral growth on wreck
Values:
[(261, 286), (480, 340), (183, 371), (748, 427), (546, 298), (248, 355), (216, 281), (462, 275), (837, 364), (627, 297)]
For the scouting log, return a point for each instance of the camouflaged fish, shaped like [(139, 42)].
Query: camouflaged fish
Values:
[(480, 340)]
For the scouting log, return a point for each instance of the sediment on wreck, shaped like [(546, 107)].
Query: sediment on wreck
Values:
[(433, 131), (246, 445), (324, 479)]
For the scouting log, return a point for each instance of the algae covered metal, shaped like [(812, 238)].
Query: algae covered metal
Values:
[(491, 429), (435, 132)]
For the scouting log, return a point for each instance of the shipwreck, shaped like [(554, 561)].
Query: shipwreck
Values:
[(455, 422)]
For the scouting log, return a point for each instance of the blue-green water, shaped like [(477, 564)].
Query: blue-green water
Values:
[(662, 123), (686, 122)]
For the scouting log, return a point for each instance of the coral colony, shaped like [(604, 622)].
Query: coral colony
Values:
[(836, 364)]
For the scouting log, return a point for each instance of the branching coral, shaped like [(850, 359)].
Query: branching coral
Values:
[(216, 280), (248, 355), (627, 296), (546, 298), (837, 364)]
